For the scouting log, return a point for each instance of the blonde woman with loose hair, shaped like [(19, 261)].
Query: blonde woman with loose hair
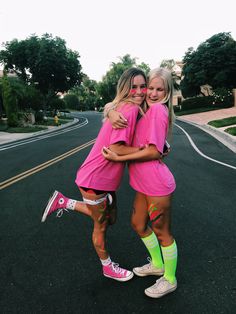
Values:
[(98, 179), (166, 76), (154, 184)]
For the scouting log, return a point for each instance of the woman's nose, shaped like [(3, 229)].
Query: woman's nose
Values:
[(154, 93), (139, 90)]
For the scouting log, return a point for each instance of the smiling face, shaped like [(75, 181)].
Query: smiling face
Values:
[(138, 90), (156, 91)]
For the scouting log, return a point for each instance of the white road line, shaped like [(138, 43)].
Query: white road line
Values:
[(200, 153), (41, 137)]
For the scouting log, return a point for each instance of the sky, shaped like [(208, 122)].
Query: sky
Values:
[(104, 30)]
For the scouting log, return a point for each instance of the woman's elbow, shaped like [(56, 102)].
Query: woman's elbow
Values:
[(156, 155)]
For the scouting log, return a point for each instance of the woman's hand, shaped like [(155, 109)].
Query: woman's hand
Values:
[(117, 119), (166, 149), (109, 155)]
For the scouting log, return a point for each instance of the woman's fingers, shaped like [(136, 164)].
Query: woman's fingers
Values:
[(108, 154), (120, 122)]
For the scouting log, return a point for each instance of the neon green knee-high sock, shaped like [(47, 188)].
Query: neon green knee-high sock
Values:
[(169, 254), (153, 247)]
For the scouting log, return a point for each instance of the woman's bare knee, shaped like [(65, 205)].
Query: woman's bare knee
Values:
[(139, 228)]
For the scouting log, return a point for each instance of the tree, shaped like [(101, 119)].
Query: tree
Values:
[(107, 87), (56, 103), (44, 62), (168, 64), (72, 101), (1, 100), (145, 67), (28, 97), (86, 93), (213, 63), (9, 102)]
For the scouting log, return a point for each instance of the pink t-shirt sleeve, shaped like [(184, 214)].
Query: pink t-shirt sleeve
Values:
[(125, 135), (158, 126)]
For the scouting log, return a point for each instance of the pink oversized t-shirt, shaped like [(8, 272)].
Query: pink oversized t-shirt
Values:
[(98, 173), (153, 177)]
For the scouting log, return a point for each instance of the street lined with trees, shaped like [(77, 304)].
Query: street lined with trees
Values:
[(42, 74)]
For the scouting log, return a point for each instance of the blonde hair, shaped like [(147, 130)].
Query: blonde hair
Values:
[(125, 84), (167, 78)]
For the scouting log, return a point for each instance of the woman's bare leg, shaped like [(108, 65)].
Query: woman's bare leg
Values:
[(99, 228), (160, 213)]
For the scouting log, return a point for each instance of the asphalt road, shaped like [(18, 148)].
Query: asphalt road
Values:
[(52, 267)]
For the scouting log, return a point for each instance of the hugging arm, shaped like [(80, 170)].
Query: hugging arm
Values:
[(146, 154), (107, 108), (121, 149), (117, 119)]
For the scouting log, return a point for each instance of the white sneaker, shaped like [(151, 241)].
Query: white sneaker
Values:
[(148, 269), (160, 288)]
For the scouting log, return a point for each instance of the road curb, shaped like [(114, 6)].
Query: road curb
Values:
[(223, 137), (55, 128)]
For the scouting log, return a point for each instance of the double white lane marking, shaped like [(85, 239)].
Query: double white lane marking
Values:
[(42, 137)]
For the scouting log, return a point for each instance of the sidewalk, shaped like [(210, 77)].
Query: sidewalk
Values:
[(201, 119)]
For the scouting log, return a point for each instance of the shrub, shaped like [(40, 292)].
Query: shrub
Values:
[(39, 116), (56, 103), (177, 108), (223, 97), (72, 101), (197, 102)]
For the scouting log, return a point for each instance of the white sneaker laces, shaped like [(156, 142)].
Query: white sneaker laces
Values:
[(160, 282), (61, 211), (147, 266), (117, 269)]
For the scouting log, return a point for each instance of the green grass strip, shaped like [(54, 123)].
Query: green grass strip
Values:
[(223, 122), (231, 131)]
